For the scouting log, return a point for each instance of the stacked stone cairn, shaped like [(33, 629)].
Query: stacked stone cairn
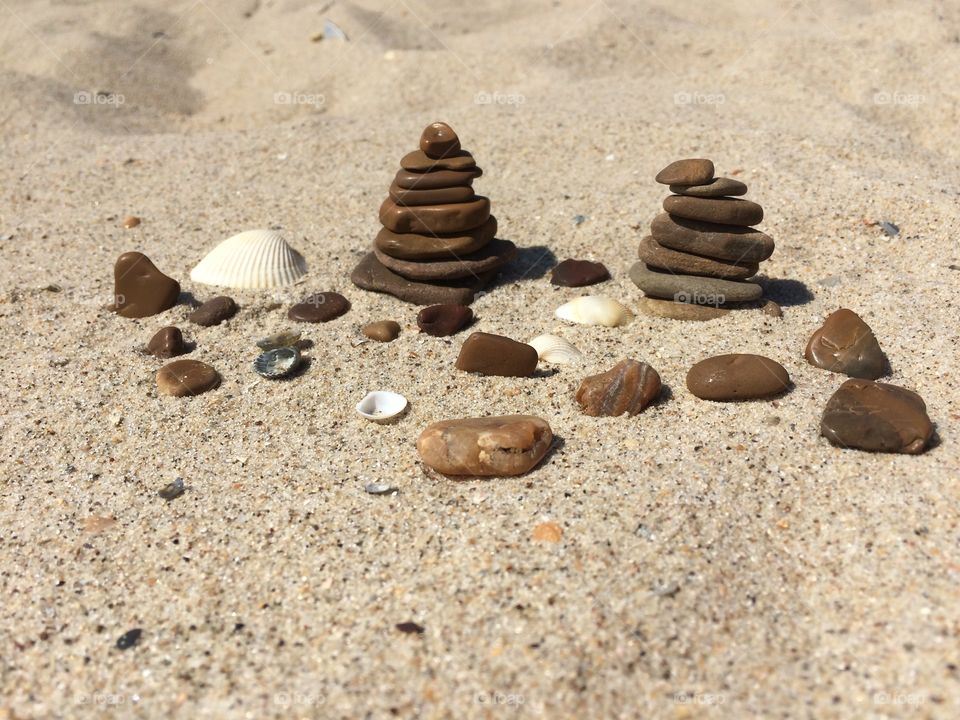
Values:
[(703, 249), (437, 245)]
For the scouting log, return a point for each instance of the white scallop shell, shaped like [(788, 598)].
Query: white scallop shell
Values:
[(255, 259), (381, 405), (556, 350), (595, 310)]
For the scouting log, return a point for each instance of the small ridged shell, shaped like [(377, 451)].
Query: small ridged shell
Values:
[(277, 363), (556, 350), (595, 310), (255, 259)]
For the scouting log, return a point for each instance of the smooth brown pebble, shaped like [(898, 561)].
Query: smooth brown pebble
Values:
[(319, 307), (139, 289), (490, 354), (578, 273), (692, 171), (131, 221), (167, 343), (737, 377), (443, 320), (720, 211), (186, 377), (382, 330), (867, 415), (772, 309), (214, 312), (489, 446), (846, 344), (439, 140), (628, 387)]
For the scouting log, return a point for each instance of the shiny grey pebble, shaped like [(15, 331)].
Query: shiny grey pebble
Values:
[(889, 228), (381, 489), (173, 490)]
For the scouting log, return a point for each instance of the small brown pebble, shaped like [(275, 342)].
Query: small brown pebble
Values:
[(692, 171), (382, 330), (215, 311), (131, 221), (167, 343), (628, 387), (489, 446), (490, 354), (439, 140), (186, 377), (443, 320), (578, 273), (319, 307), (737, 377), (772, 309), (410, 628), (846, 344), (547, 532)]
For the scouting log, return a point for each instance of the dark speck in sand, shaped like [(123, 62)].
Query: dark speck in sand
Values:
[(173, 490), (579, 219), (889, 228), (129, 639), (410, 628)]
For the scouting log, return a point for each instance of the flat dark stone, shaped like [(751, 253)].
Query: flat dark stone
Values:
[(578, 273), (692, 171), (443, 320), (737, 377), (490, 354), (139, 289), (413, 246), (723, 242), (718, 187), (656, 255), (491, 256), (694, 289), (723, 211), (129, 639), (319, 307), (878, 417), (214, 312), (371, 275)]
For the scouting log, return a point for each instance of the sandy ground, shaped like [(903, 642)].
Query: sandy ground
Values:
[(717, 560)]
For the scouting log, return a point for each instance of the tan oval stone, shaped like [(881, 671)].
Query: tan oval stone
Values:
[(382, 330), (186, 377), (491, 446)]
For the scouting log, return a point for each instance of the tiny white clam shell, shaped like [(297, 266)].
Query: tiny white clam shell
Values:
[(556, 350), (381, 405), (595, 310), (255, 259)]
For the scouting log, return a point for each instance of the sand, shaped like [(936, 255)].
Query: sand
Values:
[(716, 560)]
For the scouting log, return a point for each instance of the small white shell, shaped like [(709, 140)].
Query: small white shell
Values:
[(595, 310), (381, 405), (255, 259), (556, 350)]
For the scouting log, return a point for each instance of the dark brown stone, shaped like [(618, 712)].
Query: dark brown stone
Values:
[(435, 219), (412, 246), (722, 211), (693, 171), (167, 343), (718, 187), (369, 274), (489, 354), (438, 140), (578, 273), (846, 344), (440, 196), (186, 377), (139, 289), (655, 255), (319, 307), (628, 387), (419, 161), (723, 242), (382, 330), (695, 289), (214, 312), (867, 415), (491, 256), (436, 178), (443, 320), (737, 377)]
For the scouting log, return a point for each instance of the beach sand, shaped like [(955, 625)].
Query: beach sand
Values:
[(717, 560)]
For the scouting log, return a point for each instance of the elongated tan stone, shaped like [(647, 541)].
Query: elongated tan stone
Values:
[(491, 446), (628, 387)]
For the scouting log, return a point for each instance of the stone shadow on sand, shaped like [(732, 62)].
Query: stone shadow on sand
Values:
[(786, 293), (531, 263)]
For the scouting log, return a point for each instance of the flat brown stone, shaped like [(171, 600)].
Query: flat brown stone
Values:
[(186, 377), (440, 196), (485, 447), (491, 256), (443, 320), (167, 343), (846, 344), (215, 311), (656, 255), (139, 289), (718, 187), (414, 246), (695, 289), (723, 242), (369, 274), (382, 330), (578, 273), (692, 171), (490, 354), (737, 377), (435, 178), (419, 161), (878, 417), (655, 307), (723, 211), (439, 140), (628, 387), (435, 219), (319, 307)]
